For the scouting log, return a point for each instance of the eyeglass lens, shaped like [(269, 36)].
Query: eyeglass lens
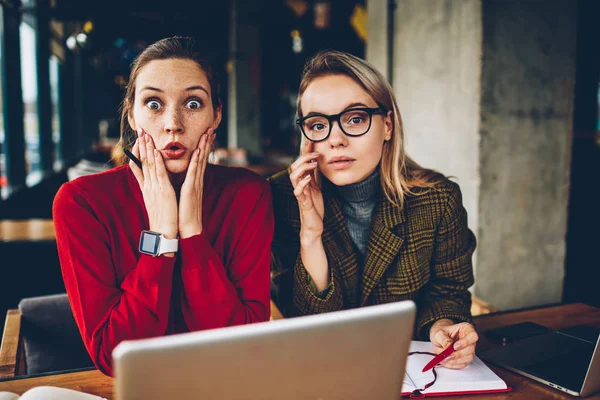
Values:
[(352, 122)]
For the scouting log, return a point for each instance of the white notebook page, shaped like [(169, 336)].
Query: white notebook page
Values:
[(476, 376)]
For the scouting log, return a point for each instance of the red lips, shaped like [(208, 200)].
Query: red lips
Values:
[(174, 146), (174, 150)]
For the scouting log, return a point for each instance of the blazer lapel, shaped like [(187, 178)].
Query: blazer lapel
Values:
[(383, 245)]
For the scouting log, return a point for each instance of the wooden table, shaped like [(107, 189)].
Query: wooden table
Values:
[(27, 230), (553, 317)]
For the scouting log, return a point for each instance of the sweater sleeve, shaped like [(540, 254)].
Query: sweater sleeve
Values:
[(236, 290), (446, 296), (107, 312)]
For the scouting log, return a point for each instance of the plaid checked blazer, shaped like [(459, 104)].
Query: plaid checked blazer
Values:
[(421, 252)]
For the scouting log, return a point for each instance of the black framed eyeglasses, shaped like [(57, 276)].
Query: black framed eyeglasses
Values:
[(353, 122)]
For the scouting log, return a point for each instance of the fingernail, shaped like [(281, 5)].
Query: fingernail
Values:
[(155, 152), (315, 153), (458, 345)]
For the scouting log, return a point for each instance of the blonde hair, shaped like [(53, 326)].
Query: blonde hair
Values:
[(400, 174)]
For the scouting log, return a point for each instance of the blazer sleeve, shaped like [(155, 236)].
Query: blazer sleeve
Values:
[(446, 295), (216, 294), (107, 312), (294, 294)]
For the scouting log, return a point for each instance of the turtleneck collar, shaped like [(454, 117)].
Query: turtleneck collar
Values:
[(364, 190)]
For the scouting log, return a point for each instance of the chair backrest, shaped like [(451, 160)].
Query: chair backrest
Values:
[(51, 339)]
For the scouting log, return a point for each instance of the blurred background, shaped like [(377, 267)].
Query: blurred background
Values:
[(503, 95)]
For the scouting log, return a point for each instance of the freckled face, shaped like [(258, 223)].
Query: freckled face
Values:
[(344, 159), (173, 104)]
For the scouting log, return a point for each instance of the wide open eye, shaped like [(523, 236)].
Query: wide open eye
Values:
[(153, 105), (194, 104)]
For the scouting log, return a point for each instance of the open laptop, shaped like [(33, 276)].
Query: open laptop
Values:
[(567, 359), (352, 354)]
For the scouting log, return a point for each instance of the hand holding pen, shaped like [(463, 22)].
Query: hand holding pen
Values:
[(462, 338)]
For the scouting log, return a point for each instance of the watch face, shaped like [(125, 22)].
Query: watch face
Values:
[(149, 243)]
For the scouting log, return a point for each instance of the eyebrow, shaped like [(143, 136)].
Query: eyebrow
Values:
[(191, 88), (349, 106)]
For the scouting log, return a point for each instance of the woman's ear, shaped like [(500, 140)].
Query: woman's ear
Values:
[(218, 116), (388, 121), (131, 120)]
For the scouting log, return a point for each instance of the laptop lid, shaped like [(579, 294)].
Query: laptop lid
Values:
[(591, 383), (352, 354), (558, 359)]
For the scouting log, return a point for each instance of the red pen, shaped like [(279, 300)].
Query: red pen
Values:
[(440, 357)]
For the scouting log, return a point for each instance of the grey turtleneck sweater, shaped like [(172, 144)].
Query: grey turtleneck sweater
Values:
[(358, 201)]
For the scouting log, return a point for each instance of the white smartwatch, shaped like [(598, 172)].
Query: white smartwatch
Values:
[(154, 244)]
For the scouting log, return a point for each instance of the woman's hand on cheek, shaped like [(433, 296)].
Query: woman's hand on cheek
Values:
[(308, 194), (159, 195), (190, 201)]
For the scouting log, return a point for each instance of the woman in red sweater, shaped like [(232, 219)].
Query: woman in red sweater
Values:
[(177, 245)]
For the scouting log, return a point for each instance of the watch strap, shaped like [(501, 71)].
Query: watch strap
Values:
[(167, 245)]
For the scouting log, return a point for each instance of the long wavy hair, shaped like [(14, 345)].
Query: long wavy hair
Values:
[(176, 47), (400, 174)]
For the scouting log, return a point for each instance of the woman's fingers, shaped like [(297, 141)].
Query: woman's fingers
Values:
[(468, 336), (137, 171), (467, 352), (299, 190), (143, 156), (151, 161), (303, 159), (460, 359), (161, 171), (135, 150), (301, 172), (192, 171), (464, 346), (208, 138), (308, 147)]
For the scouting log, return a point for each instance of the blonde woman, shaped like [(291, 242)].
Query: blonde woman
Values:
[(358, 222)]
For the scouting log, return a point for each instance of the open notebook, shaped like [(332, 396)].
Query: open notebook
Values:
[(49, 393), (475, 378)]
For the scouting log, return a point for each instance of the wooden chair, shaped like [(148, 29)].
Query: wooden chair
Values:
[(11, 348), (40, 337)]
